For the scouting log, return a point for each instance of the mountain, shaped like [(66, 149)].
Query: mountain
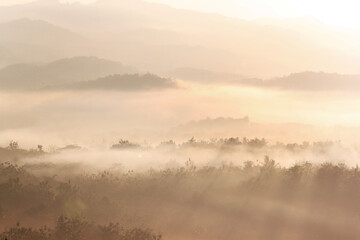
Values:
[(158, 38), (36, 32), (127, 82), (28, 40), (60, 72), (316, 81), (303, 81)]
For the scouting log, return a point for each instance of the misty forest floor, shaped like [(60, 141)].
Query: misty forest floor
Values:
[(252, 201)]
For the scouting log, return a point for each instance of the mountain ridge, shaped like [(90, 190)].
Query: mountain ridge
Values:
[(59, 72), (229, 45)]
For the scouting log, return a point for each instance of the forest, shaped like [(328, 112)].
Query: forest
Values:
[(252, 200), (179, 120)]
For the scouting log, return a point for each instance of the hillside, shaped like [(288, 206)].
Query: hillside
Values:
[(28, 40), (60, 72), (136, 30), (36, 32), (127, 82), (302, 81), (317, 81)]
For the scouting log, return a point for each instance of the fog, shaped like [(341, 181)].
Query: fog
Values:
[(214, 193), (86, 158), (91, 118), (135, 120)]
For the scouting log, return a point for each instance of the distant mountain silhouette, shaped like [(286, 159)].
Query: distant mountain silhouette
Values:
[(159, 38), (36, 31), (317, 81), (127, 82), (64, 71), (303, 81), (28, 40)]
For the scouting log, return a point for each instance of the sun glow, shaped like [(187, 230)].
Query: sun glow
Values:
[(341, 13)]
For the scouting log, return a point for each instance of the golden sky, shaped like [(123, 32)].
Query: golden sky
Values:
[(337, 12)]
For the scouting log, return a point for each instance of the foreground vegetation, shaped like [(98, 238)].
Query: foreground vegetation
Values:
[(253, 201), (77, 228)]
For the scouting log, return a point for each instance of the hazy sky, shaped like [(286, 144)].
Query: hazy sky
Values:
[(338, 12)]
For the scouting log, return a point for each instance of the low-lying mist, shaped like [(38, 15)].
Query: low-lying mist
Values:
[(134, 120), (125, 156), (178, 163), (193, 190), (98, 118), (71, 173)]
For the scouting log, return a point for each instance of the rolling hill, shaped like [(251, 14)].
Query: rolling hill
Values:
[(302, 81), (127, 82), (316, 81), (158, 38), (60, 72), (26, 40)]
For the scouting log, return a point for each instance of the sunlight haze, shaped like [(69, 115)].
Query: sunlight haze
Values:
[(340, 13), (179, 120)]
